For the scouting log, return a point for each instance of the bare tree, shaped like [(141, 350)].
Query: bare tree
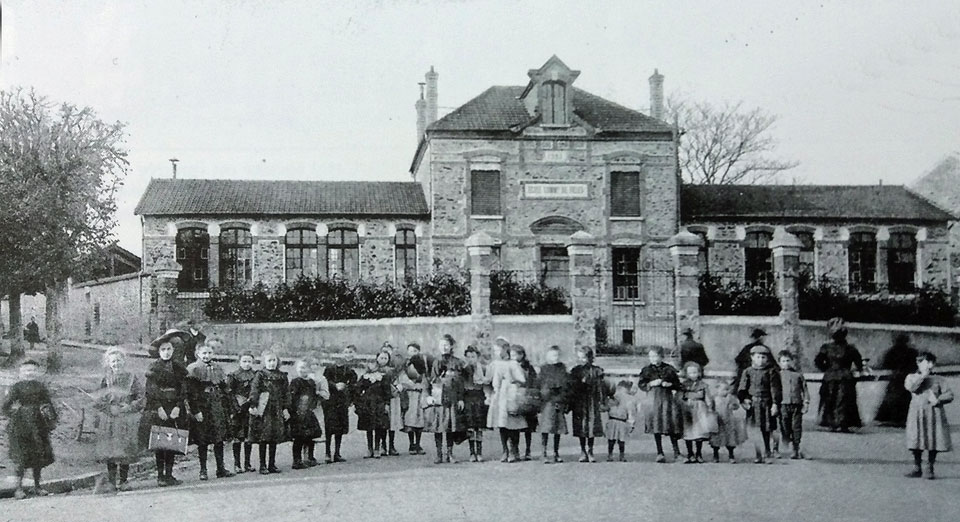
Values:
[(726, 144)]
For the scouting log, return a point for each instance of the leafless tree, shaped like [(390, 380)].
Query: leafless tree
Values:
[(725, 144)]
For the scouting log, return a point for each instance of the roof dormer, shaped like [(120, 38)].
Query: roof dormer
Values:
[(549, 93)]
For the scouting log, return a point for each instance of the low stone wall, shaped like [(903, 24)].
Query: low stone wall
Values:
[(724, 336), (114, 310), (535, 333)]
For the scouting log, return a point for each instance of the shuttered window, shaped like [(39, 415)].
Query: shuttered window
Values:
[(485, 193), (625, 194)]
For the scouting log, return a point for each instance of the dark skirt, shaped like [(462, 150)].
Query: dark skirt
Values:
[(336, 418), (759, 416), (240, 424), (215, 427), (269, 427), (29, 438), (474, 410), (665, 413), (838, 404), (895, 405), (305, 426), (374, 416)]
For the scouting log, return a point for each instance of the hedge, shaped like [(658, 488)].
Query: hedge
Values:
[(511, 296), (736, 298), (928, 306)]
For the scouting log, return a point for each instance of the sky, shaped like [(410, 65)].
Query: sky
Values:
[(277, 89)]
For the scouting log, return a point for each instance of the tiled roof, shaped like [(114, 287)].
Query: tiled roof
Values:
[(499, 109), (258, 197), (817, 202)]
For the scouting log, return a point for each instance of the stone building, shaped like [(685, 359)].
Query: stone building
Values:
[(869, 239), (532, 164)]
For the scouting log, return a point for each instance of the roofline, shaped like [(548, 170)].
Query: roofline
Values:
[(143, 197), (418, 155), (407, 215), (931, 202), (735, 218)]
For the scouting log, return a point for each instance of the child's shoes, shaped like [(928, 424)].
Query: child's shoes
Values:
[(19, 494), (690, 460), (661, 459), (203, 474), (916, 473), (264, 471), (312, 462)]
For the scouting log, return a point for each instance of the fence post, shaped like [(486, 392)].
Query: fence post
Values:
[(786, 268), (684, 249), (480, 248), (581, 249)]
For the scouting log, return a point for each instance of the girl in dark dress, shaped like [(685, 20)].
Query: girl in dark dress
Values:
[(589, 394), (838, 392), (530, 373), (474, 401), (336, 410), (554, 394), (165, 406), (901, 360), (664, 416), (32, 418), (445, 400), (211, 406), (304, 425), (239, 382), (269, 399), (412, 382), (371, 398)]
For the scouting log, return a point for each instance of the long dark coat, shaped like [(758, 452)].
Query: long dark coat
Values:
[(163, 388), (589, 393), (445, 382), (336, 410), (554, 392), (303, 400), (663, 411), (838, 392), (238, 382), (28, 431), (901, 360), (209, 393), (371, 399), (270, 427)]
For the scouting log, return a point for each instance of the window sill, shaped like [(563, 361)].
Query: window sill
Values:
[(627, 218), (491, 218), (628, 302), (193, 295)]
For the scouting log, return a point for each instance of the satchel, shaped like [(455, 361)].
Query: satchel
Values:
[(526, 401), (164, 438)]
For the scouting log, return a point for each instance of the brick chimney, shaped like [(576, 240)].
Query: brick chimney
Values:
[(431, 77), (656, 95), (421, 106)]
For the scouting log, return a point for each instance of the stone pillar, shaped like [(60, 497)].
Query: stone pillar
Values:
[(786, 268), (480, 248), (213, 261), (584, 288), (165, 282), (684, 249)]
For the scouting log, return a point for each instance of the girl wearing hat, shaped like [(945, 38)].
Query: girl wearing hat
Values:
[(838, 393), (165, 406)]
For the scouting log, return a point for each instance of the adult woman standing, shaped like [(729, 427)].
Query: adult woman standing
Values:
[(838, 392), (506, 376)]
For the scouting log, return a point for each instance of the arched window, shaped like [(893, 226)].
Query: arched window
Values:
[(758, 259), (193, 246), (862, 261), (902, 262), (555, 103), (343, 253), (236, 257), (301, 253), (807, 254), (405, 254)]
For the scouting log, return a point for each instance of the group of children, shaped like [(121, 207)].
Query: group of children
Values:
[(455, 399)]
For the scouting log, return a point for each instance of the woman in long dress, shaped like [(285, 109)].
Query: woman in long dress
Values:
[(838, 392), (901, 360)]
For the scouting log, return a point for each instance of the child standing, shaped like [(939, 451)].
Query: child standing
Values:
[(474, 407), (664, 417), (731, 431), (761, 394), (269, 399), (530, 376), (372, 399), (304, 426), (119, 404), (395, 408), (208, 396), (239, 382), (589, 391), (554, 394), (411, 381), (445, 398), (620, 420), (32, 418), (336, 410), (697, 409), (796, 401), (165, 394), (927, 426)]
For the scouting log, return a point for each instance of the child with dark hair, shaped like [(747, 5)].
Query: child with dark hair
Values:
[(336, 410), (760, 392), (32, 418), (588, 394), (795, 402), (731, 429), (620, 419), (269, 399), (208, 397), (304, 426), (697, 407), (554, 394), (927, 426), (371, 400), (530, 374), (411, 381), (166, 395), (474, 406), (664, 416), (445, 400), (238, 382)]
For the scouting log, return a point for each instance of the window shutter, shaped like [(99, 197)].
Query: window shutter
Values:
[(625, 194), (485, 193)]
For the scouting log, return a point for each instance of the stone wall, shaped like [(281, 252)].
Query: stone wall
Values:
[(113, 310), (30, 306)]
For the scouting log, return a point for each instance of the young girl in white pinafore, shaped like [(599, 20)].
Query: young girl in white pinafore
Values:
[(411, 381), (697, 409), (620, 419), (927, 426), (731, 425)]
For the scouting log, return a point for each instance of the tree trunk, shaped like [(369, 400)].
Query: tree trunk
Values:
[(55, 295), (16, 326)]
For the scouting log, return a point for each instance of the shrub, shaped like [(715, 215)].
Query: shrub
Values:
[(736, 298), (54, 360), (511, 296), (929, 306)]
